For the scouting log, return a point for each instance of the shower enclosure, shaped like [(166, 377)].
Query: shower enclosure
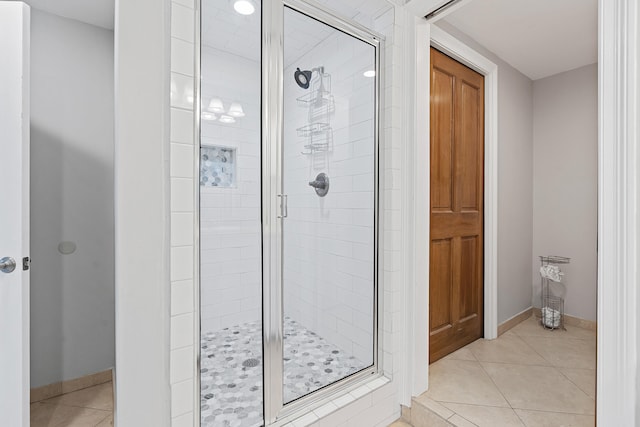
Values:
[(289, 137)]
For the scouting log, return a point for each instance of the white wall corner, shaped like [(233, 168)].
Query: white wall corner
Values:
[(142, 212), (416, 225), (618, 63), (184, 328)]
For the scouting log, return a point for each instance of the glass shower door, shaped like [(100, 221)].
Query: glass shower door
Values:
[(231, 342), (329, 186)]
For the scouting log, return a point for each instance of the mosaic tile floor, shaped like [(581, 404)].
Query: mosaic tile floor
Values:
[(231, 371)]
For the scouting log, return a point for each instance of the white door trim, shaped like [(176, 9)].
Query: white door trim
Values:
[(15, 23), (618, 87)]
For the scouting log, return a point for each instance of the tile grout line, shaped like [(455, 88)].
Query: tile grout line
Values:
[(496, 386), (102, 420), (572, 382), (73, 406), (519, 417), (543, 358), (558, 368), (556, 412), (550, 365)]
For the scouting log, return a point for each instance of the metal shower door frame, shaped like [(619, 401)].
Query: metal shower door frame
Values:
[(272, 198)]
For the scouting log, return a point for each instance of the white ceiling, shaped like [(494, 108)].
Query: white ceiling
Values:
[(94, 12), (537, 37), (226, 30)]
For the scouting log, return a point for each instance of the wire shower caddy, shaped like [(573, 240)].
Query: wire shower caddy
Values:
[(320, 104), (552, 306)]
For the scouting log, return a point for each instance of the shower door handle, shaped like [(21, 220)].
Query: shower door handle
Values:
[(284, 209)]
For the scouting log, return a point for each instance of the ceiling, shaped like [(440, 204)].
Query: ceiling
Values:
[(226, 30), (537, 37), (94, 12)]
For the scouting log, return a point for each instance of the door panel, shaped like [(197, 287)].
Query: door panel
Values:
[(441, 169), (457, 182), (440, 289), (14, 214), (468, 277), (468, 149)]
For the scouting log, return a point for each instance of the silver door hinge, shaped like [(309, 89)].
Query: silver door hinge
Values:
[(284, 209)]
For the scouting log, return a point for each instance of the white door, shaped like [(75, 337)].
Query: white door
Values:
[(14, 213)]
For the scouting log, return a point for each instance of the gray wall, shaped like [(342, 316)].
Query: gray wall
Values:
[(515, 182), (72, 296), (565, 171)]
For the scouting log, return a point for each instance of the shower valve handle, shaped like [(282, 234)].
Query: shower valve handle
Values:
[(321, 184), (318, 184)]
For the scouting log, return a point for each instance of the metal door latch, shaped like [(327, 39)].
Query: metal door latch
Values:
[(7, 264), (26, 263)]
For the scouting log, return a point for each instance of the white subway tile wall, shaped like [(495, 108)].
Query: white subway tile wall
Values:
[(182, 165), (230, 230), (236, 239)]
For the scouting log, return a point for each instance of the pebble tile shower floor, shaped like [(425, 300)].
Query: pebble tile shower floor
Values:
[(231, 371)]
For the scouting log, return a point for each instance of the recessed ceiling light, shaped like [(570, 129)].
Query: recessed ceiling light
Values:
[(369, 73), (244, 7)]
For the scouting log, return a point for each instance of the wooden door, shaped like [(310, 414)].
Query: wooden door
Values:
[(457, 183)]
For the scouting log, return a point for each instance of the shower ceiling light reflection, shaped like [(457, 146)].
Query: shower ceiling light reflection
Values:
[(244, 7)]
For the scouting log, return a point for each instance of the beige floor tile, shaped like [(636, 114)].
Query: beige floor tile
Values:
[(96, 397), (426, 418), (107, 422), (463, 354), (434, 406), (580, 333), (552, 419), (48, 415), (399, 423), (585, 379), (539, 388), (462, 381), (486, 416), (565, 352), (509, 348), (458, 421), (533, 327)]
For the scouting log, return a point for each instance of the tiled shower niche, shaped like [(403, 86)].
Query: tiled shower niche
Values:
[(217, 166)]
